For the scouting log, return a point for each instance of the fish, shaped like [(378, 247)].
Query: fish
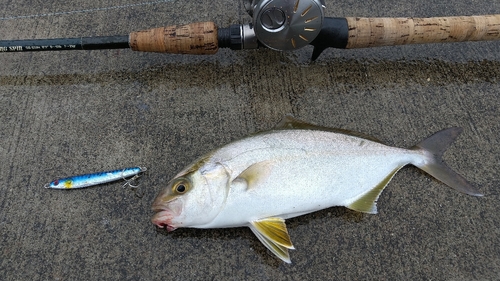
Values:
[(86, 180), (292, 170)]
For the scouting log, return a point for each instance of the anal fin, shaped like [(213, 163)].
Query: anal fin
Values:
[(273, 234), (367, 203)]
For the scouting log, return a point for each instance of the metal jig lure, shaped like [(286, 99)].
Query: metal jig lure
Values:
[(87, 180)]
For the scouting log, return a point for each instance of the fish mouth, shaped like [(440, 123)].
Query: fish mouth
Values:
[(163, 217)]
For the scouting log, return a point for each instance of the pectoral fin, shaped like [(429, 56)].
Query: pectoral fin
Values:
[(367, 203), (273, 234), (256, 173)]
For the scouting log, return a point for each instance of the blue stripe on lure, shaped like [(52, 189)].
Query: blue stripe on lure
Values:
[(87, 180)]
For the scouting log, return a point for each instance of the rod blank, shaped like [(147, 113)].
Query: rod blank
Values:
[(60, 44)]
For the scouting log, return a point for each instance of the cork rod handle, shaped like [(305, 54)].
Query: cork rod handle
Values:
[(196, 39), (374, 32)]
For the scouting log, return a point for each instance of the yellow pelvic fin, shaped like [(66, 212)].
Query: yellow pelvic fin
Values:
[(273, 234), (255, 173), (367, 203)]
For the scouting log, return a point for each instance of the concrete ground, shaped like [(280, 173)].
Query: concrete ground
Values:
[(73, 112)]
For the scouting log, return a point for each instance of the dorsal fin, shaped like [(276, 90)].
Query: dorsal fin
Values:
[(289, 122)]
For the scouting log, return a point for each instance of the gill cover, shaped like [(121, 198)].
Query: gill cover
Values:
[(196, 195)]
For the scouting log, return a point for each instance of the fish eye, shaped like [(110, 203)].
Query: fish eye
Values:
[(181, 186)]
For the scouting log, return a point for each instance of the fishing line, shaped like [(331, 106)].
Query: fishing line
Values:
[(87, 10)]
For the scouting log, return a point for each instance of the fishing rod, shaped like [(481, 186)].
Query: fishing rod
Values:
[(282, 25)]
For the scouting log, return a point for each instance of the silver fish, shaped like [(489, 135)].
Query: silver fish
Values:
[(293, 170)]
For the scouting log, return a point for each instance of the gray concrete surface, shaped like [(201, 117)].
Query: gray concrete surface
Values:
[(74, 112)]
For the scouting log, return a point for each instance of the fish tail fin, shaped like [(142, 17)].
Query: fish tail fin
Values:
[(434, 148)]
